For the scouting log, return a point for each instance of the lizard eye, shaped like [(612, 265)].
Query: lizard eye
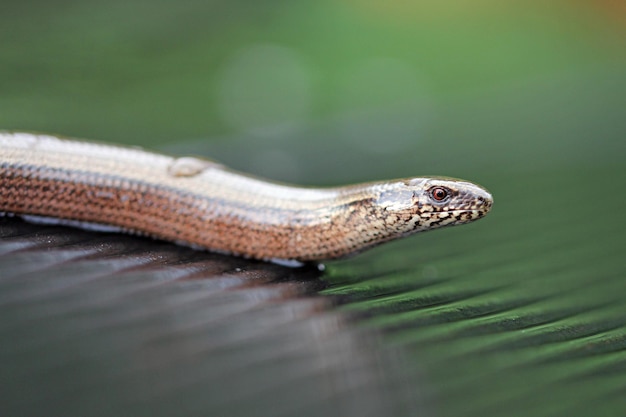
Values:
[(439, 193)]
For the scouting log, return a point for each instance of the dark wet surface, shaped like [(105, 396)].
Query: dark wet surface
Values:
[(478, 320), (98, 324)]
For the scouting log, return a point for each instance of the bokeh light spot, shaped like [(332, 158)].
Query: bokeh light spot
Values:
[(265, 90)]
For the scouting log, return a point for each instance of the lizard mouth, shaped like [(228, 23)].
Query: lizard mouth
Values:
[(469, 215)]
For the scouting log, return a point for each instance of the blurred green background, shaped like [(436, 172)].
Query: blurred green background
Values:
[(432, 86), (520, 313)]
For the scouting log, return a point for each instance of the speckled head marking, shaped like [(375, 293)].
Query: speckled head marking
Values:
[(421, 204)]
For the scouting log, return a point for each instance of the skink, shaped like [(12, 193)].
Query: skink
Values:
[(203, 204)]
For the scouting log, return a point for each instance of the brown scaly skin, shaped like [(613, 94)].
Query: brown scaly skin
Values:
[(203, 204)]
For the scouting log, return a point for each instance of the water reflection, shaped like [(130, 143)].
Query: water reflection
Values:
[(108, 325)]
